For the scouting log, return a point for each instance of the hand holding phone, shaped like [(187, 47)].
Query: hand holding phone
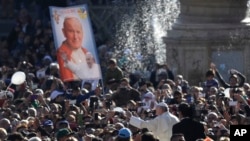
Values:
[(96, 116), (233, 103)]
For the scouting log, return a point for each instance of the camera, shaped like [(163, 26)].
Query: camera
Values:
[(210, 102), (93, 102), (96, 116), (123, 88), (141, 104), (108, 103), (233, 103), (149, 113)]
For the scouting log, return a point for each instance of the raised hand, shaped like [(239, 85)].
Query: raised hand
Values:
[(233, 71), (212, 66)]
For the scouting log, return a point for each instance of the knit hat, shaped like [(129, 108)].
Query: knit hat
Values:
[(124, 133), (162, 104), (63, 133), (48, 123)]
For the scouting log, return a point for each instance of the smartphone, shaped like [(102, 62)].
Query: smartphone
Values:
[(217, 124), (80, 119), (71, 102), (96, 116), (141, 104), (233, 103), (201, 95)]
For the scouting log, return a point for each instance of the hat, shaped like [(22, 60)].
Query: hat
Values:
[(48, 123), (55, 93), (63, 133), (162, 104), (112, 61), (119, 125), (124, 133), (39, 91), (64, 122)]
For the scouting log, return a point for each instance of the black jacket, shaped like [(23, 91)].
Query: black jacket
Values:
[(191, 129)]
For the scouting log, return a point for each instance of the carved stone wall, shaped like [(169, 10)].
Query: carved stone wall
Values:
[(209, 31)]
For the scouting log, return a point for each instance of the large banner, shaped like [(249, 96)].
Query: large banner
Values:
[(74, 41)]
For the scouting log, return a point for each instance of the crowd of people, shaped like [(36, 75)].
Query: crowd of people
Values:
[(123, 106)]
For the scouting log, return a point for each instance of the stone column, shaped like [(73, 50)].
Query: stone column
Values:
[(208, 31)]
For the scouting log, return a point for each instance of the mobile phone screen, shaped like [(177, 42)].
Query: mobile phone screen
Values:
[(80, 119), (233, 103), (96, 116)]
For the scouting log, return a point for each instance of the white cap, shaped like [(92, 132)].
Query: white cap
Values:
[(39, 91), (55, 93), (163, 104)]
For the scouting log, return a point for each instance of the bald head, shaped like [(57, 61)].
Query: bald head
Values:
[(3, 133), (5, 123), (68, 20)]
